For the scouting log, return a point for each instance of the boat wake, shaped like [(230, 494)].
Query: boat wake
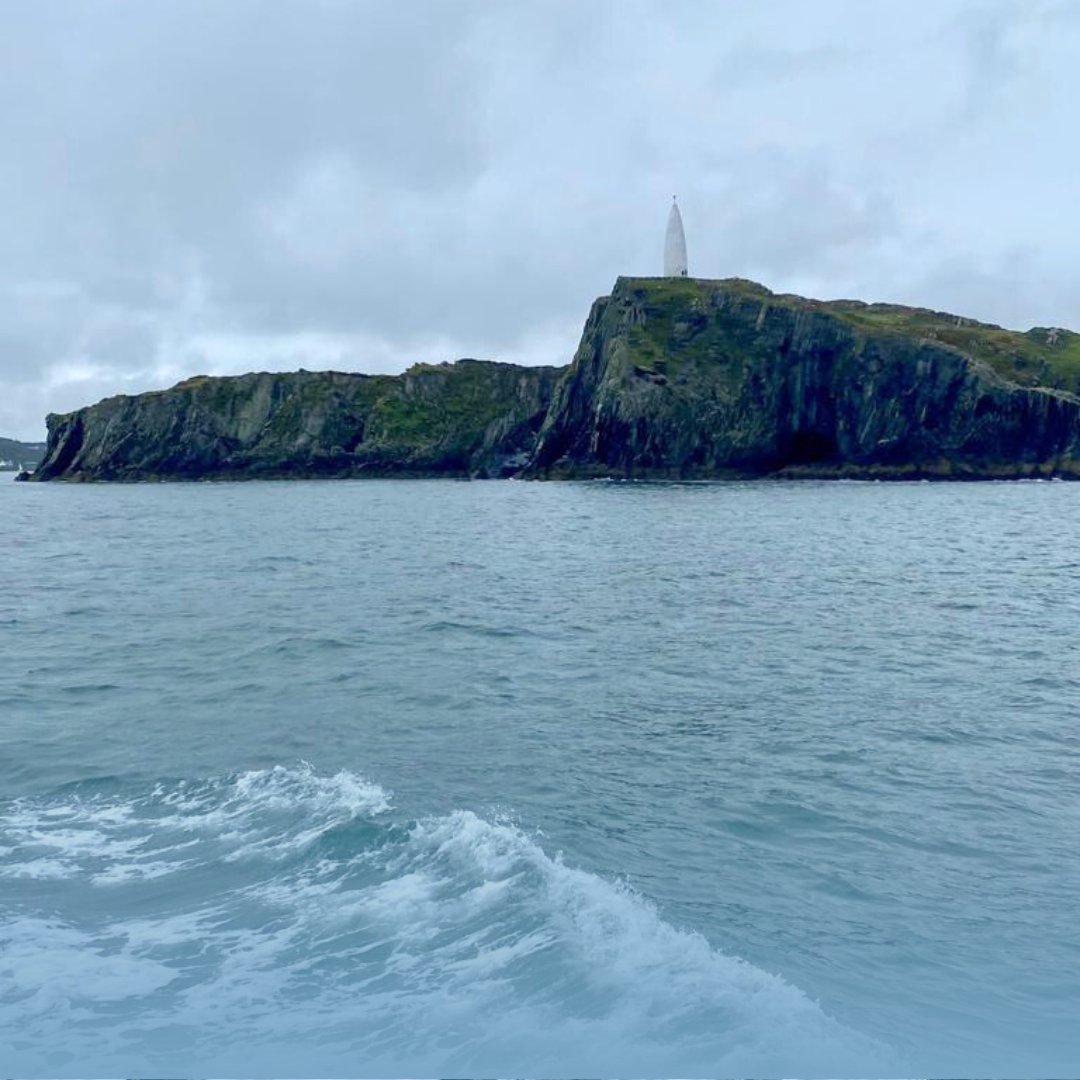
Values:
[(285, 922)]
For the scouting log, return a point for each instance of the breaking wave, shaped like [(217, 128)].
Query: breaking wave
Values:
[(284, 922)]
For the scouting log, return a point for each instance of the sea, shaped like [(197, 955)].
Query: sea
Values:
[(507, 779)]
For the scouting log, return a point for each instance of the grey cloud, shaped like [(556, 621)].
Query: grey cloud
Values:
[(194, 185), (750, 63), (992, 59)]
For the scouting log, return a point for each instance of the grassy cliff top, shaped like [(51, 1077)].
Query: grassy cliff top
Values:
[(1042, 356)]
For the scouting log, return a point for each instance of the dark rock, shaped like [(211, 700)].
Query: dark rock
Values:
[(674, 378), (696, 379), (461, 419)]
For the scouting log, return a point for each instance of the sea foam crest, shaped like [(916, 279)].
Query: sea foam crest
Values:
[(589, 963), (111, 838)]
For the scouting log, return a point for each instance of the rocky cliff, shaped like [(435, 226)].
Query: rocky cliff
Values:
[(685, 378), (674, 378), (472, 418)]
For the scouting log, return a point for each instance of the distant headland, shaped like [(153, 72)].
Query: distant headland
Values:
[(675, 378), (18, 456)]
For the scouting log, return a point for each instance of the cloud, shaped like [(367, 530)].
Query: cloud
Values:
[(196, 186)]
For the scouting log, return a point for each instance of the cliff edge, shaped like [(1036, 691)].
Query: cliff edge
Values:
[(685, 378), (673, 379), (470, 418)]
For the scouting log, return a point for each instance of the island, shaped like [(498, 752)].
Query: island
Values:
[(675, 378)]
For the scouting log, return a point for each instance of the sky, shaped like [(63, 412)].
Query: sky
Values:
[(210, 187)]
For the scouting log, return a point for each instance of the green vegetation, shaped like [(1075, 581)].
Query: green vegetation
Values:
[(433, 404), (674, 312), (662, 290), (1040, 357), (670, 334)]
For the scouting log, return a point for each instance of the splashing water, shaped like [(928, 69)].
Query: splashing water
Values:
[(279, 920)]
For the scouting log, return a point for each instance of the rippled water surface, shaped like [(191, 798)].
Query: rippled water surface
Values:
[(431, 778)]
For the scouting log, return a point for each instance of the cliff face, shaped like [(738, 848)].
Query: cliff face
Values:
[(674, 378), (471, 418), (690, 378)]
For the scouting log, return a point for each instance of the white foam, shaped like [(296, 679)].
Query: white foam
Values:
[(648, 985), (39, 870), (455, 946), (261, 814), (48, 964)]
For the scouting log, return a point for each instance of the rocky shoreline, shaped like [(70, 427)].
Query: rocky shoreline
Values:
[(673, 379)]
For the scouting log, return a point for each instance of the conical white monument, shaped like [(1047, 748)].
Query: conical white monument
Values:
[(674, 244)]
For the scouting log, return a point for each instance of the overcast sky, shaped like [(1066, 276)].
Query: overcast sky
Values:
[(193, 186)]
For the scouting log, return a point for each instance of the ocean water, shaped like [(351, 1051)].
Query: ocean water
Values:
[(503, 779)]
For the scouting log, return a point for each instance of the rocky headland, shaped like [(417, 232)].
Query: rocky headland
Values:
[(471, 418), (673, 379), (18, 456)]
